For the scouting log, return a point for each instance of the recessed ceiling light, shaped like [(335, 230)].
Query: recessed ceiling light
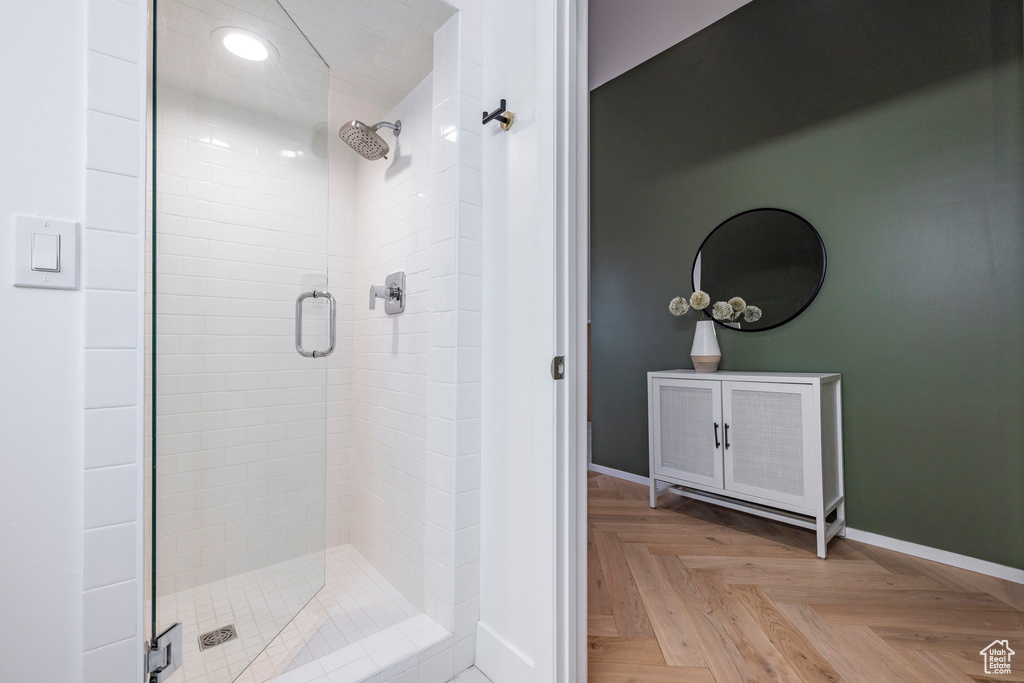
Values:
[(246, 47), (244, 44)]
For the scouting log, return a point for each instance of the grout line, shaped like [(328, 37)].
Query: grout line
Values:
[(107, 54), (135, 176), (109, 585), (112, 114), (110, 467), (116, 642)]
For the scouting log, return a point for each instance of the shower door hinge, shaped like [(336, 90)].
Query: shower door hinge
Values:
[(163, 657), (558, 367)]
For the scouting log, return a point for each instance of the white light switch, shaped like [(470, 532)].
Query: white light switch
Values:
[(46, 252)]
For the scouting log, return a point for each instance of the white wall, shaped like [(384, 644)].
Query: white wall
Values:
[(451, 593), (388, 456), (625, 34), (42, 133), (344, 166), (404, 411), (113, 250)]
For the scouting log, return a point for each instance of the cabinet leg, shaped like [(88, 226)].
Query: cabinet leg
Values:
[(822, 542), (654, 493)]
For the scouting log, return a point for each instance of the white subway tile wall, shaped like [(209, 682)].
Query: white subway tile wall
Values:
[(464, 51), (114, 201), (389, 353), (111, 259), (110, 320), (341, 264), (111, 436), (241, 416), (453, 511), (385, 408), (105, 551), (117, 663)]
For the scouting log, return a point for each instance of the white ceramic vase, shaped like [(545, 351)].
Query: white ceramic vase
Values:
[(705, 353)]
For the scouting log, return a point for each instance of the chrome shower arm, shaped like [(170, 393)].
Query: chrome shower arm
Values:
[(396, 126)]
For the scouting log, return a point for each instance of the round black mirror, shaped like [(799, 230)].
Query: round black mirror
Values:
[(772, 258)]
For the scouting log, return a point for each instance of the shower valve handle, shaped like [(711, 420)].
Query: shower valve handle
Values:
[(393, 293), (377, 291)]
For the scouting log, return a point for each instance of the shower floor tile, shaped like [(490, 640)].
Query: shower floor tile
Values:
[(355, 602)]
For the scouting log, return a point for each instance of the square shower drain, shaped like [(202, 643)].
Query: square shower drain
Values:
[(216, 637)]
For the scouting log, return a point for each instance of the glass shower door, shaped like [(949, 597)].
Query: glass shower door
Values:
[(238, 234)]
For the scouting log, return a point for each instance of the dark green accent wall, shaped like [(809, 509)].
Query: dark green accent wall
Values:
[(894, 127)]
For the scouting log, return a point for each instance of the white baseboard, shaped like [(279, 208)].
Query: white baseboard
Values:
[(973, 564), (619, 474), (498, 659)]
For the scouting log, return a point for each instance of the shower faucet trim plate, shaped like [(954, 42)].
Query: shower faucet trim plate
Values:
[(393, 293)]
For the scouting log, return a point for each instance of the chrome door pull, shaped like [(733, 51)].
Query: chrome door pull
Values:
[(315, 294)]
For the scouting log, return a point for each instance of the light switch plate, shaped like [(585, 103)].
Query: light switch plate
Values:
[(25, 230)]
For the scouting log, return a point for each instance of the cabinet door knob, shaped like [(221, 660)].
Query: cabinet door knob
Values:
[(726, 434), (718, 443)]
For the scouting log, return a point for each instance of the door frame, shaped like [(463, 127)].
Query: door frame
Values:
[(572, 235)]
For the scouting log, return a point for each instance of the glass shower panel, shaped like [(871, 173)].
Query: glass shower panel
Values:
[(239, 209)]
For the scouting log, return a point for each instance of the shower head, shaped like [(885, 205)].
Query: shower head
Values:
[(365, 140)]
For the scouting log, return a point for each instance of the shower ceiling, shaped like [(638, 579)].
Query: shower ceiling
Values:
[(377, 53), (199, 66), (378, 50)]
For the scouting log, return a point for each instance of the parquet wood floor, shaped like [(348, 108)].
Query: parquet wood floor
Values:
[(696, 593)]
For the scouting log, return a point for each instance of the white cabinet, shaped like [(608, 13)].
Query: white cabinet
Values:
[(764, 443)]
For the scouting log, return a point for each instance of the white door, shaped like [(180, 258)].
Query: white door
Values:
[(525, 629), (688, 431), (769, 441)]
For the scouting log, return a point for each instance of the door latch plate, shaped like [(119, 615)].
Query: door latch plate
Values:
[(558, 367)]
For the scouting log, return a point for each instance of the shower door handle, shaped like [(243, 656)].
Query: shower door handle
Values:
[(315, 294)]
